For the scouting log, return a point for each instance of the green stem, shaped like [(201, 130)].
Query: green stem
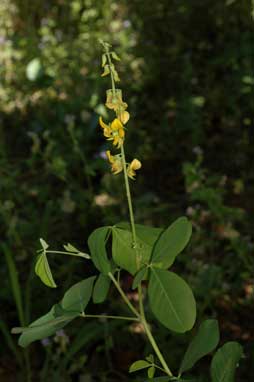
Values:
[(79, 254), (156, 348), (128, 194), (110, 68), (103, 316), (141, 316), (124, 297)]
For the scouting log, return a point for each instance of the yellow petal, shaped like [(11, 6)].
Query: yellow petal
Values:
[(117, 167), (102, 124), (116, 140), (124, 117), (116, 125), (121, 133), (107, 132), (135, 164), (110, 157), (131, 173)]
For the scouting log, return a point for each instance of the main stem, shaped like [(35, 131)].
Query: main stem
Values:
[(134, 238)]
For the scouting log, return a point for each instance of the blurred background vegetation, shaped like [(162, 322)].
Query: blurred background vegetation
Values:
[(187, 74)]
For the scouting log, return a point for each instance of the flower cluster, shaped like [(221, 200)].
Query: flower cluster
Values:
[(115, 131)]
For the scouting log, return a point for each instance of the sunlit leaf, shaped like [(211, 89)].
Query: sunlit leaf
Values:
[(42, 270), (139, 365), (44, 244), (151, 372)]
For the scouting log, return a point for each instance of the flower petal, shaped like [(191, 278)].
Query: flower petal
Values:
[(103, 124), (116, 125)]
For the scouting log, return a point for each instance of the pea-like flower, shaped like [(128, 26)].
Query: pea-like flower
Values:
[(133, 166), (114, 131), (116, 162), (115, 102)]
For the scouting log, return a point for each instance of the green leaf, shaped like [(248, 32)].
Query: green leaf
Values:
[(124, 253), (140, 275), (151, 372), (148, 235), (97, 246), (171, 300), (150, 358), (101, 288), (77, 297), (106, 71), (42, 270), (205, 341), (115, 56), (225, 361), (75, 252), (44, 244), (43, 327), (139, 365), (74, 302), (70, 248), (103, 60), (171, 242)]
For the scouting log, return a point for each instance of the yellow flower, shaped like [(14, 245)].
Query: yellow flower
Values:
[(133, 166), (116, 162), (124, 116), (114, 131), (115, 102), (106, 128)]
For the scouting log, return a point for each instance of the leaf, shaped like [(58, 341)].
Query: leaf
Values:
[(42, 270), (148, 235), (77, 297), (225, 361), (74, 301), (150, 358), (124, 254), (171, 242), (44, 327), (75, 252), (101, 288), (151, 372), (106, 71), (44, 244), (70, 248), (97, 246), (138, 365), (205, 341), (115, 56), (103, 60), (171, 300), (140, 275)]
